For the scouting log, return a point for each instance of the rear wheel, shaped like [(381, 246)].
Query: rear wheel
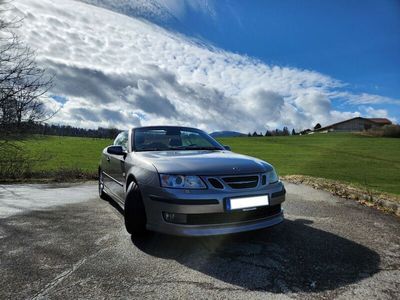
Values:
[(135, 214), (102, 194)]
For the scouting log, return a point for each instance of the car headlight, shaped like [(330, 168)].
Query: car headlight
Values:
[(272, 177), (181, 182)]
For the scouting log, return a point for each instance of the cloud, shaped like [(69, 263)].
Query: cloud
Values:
[(114, 70), (371, 112), (149, 100), (269, 104), (84, 114), (314, 104), (365, 98), (87, 82), (160, 11)]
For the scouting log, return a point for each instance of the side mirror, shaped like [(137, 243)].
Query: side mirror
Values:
[(116, 150), (226, 147)]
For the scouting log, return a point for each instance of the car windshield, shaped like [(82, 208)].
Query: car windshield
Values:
[(173, 138)]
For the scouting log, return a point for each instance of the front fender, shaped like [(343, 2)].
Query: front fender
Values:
[(142, 172)]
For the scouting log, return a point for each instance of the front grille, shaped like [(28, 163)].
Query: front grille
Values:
[(241, 182), (215, 183), (233, 216)]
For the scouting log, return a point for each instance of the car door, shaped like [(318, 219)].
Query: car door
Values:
[(117, 166), (106, 169)]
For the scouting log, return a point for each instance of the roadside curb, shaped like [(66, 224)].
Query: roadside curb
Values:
[(386, 202)]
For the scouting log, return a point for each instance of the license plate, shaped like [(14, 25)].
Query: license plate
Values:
[(247, 202)]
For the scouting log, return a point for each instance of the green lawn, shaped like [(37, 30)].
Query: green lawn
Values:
[(371, 162), (54, 153), (365, 161)]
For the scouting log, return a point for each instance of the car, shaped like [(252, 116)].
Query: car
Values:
[(180, 181)]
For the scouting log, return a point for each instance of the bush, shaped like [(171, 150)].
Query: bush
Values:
[(391, 131), (14, 163)]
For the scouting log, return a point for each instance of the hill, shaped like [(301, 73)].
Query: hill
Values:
[(221, 134)]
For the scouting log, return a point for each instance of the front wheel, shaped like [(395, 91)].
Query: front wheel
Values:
[(134, 213)]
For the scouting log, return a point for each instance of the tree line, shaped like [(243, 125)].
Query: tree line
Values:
[(67, 130), (277, 132), (283, 132)]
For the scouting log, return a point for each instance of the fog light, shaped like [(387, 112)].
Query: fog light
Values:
[(174, 218)]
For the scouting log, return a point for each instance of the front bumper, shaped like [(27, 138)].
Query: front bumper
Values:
[(205, 211)]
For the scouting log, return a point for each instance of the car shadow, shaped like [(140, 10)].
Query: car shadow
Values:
[(291, 257), (113, 204)]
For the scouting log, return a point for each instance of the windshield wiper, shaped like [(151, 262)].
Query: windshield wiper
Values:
[(194, 148), (150, 149)]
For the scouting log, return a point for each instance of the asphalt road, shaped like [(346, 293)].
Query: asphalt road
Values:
[(63, 242)]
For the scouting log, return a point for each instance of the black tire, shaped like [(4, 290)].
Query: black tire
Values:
[(134, 213), (102, 194)]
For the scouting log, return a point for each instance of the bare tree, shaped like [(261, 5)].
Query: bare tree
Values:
[(23, 85), (22, 82)]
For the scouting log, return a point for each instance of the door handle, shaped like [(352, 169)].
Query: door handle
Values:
[(108, 158)]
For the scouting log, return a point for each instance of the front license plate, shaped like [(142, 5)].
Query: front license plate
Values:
[(247, 202)]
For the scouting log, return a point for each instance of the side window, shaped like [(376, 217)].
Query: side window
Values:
[(122, 140)]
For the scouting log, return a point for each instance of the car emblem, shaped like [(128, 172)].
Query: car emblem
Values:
[(235, 169)]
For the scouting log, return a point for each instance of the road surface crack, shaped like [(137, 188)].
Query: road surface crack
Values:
[(52, 284), (63, 275)]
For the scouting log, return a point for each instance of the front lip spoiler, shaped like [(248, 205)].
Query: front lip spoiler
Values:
[(210, 230)]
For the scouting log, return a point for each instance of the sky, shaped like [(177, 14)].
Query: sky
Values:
[(217, 65)]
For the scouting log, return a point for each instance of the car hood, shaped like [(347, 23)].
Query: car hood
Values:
[(203, 162)]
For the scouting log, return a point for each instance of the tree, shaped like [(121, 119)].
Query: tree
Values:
[(22, 87), (249, 134), (317, 126), (22, 83), (293, 132), (255, 133), (285, 131)]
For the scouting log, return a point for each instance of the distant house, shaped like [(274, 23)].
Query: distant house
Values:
[(306, 131), (356, 124)]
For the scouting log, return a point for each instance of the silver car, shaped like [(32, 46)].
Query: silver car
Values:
[(180, 181)]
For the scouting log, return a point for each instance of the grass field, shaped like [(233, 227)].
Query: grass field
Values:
[(363, 161), (67, 153)]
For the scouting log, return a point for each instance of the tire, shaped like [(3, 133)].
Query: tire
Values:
[(134, 213), (102, 194)]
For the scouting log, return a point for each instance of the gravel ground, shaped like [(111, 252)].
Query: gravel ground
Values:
[(62, 241)]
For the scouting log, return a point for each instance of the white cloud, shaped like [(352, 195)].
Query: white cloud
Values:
[(371, 112), (365, 98), (114, 70), (314, 103), (156, 10)]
